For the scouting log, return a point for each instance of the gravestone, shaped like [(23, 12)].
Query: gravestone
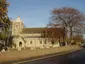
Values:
[(3, 50)]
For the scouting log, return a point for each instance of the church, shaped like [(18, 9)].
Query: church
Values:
[(29, 37)]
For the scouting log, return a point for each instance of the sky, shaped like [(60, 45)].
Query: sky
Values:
[(37, 13)]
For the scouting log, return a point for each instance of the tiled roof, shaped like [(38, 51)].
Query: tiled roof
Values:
[(40, 30), (33, 30)]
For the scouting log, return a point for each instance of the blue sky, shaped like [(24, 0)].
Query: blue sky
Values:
[(37, 13)]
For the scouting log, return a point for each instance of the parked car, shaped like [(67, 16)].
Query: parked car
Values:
[(82, 44), (62, 43)]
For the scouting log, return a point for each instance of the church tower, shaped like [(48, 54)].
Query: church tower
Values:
[(17, 26)]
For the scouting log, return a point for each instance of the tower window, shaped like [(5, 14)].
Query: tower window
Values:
[(17, 26)]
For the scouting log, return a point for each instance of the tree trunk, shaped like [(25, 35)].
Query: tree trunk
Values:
[(64, 34), (71, 34)]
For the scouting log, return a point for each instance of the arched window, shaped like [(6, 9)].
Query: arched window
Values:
[(30, 42), (45, 41), (40, 42), (52, 41)]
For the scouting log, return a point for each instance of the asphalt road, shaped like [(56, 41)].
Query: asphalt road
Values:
[(77, 57)]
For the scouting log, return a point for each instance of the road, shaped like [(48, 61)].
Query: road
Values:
[(77, 57)]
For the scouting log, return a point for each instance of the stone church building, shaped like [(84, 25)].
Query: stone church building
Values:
[(29, 37)]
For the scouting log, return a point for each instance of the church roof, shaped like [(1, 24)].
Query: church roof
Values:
[(40, 30), (33, 30)]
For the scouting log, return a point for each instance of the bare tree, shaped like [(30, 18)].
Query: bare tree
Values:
[(53, 34), (70, 19)]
